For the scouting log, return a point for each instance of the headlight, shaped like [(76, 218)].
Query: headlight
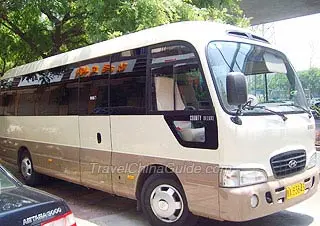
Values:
[(241, 177), (312, 161)]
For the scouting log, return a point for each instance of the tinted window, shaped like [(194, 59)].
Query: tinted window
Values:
[(128, 82), (49, 92), (94, 86), (26, 102), (65, 95), (47, 98), (94, 95), (10, 103), (83, 88), (8, 97), (1, 104), (7, 84)]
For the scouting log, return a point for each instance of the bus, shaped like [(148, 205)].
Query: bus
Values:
[(180, 117)]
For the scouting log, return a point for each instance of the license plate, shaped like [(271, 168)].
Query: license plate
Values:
[(295, 190)]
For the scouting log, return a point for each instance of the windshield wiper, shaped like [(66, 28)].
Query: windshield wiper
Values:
[(284, 118), (247, 105), (297, 106)]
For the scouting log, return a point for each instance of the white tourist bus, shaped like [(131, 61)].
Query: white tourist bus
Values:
[(190, 119)]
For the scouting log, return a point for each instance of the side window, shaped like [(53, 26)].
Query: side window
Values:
[(68, 98), (179, 92), (47, 100), (8, 97), (26, 102), (128, 82), (1, 103), (10, 103), (47, 93), (177, 81), (59, 99), (94, 87)]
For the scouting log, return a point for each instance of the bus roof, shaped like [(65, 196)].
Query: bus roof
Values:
[(190, 31)]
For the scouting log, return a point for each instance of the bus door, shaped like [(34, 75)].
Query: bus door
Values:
[(128, 117), (186, 121), (94, 124)]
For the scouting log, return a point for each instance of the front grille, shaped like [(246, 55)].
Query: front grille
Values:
[(288, 163)]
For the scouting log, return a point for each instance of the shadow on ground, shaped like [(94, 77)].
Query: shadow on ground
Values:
[(104, 209), (94, 205)]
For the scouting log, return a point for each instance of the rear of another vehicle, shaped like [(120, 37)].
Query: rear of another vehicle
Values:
[(22, 205)]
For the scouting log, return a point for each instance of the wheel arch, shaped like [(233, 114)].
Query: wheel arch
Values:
[(21, 150), (149, 170)]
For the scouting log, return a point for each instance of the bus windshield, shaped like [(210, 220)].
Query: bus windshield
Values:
[(271, 80)]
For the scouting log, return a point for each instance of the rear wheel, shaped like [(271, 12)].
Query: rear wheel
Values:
[(30, 177), (164, 203)]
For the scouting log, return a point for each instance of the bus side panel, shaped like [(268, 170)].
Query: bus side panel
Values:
[(95, 152), (140, 141), (53, 142), (8, 150)]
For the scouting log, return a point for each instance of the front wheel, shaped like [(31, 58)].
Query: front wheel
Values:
[(30, 177), (164, 203)]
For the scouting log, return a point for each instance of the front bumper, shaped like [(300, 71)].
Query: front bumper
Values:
[(235, 202)]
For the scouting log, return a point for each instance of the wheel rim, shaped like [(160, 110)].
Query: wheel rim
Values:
[(26, 168), (166, 203)]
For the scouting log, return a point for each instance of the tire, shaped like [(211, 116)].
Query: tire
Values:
[(28, 174), (164, 203)]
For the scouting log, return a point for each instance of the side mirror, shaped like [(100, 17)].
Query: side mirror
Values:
[(237, 93)]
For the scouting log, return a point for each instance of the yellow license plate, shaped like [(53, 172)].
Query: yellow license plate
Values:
[(295, 190)]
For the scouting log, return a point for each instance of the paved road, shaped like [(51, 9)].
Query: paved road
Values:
[(92, 207)]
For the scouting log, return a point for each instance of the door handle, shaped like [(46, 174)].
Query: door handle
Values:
[(99, 138)]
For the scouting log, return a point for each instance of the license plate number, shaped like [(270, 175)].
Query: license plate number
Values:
[(295, 190)]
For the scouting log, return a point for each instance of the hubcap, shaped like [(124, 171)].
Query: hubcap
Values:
[(26, 168), (163, 205), (166, 203)]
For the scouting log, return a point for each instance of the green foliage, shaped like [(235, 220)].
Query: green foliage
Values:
[(13, 50), (129, 16), (310, 80), (277, 83), (34, 29), (41, 28)]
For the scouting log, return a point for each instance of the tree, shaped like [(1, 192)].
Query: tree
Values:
[(122, 17), (35, 29), (310, 80), (13, 51), (47, 27)]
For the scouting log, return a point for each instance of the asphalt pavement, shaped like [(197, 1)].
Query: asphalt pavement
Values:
[(96, 208)]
